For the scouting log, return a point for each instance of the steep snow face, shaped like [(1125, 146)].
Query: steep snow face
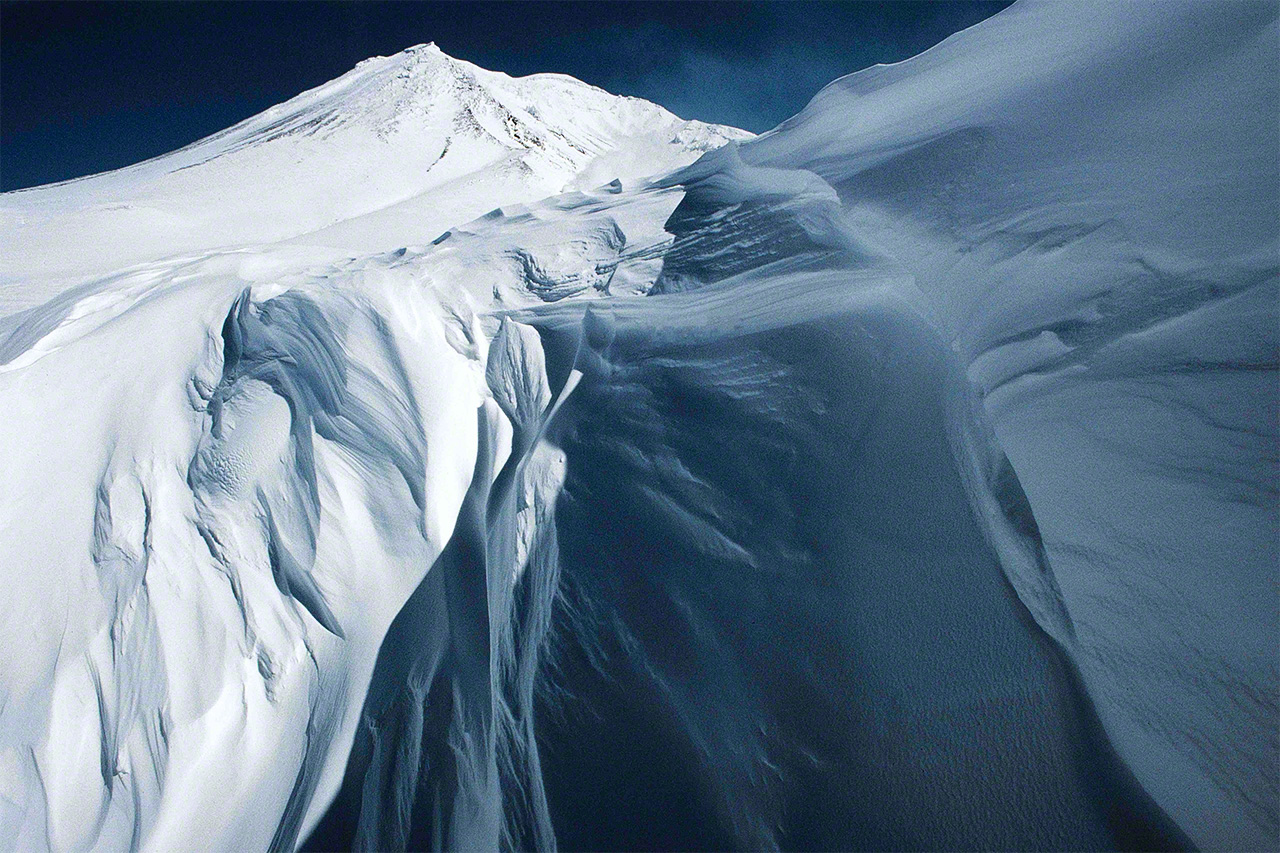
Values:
[(220, 549), (905, 477), (1089, 202), (388, 155)]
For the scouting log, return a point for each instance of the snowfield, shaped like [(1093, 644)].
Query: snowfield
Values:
[(441, 459)]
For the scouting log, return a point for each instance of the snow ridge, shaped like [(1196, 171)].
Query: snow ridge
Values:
[(388, 155)]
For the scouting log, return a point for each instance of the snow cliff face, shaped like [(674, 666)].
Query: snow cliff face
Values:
[(904, 477), (1098, 237)]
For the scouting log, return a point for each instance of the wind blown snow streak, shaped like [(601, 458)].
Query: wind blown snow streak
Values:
[(902, 478)]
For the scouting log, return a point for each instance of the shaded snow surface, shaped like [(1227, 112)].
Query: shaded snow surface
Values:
[(904, 477)]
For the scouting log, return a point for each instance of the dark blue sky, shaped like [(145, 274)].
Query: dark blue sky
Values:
[(89, 86)]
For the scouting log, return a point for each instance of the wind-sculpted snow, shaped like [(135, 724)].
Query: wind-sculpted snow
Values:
[(1097, 235), (902, 478), (230, 486)]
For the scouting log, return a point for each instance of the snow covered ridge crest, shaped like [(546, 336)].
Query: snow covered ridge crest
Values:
[(904, 477), (388, 155)]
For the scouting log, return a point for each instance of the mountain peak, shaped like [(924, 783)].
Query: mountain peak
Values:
[(385, 136), (419, 53), (425, 60)]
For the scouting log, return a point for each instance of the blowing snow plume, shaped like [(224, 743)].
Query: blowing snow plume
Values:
[(904, 477)]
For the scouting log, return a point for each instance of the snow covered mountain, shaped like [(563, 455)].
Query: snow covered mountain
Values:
[(388, 155), (904, 477)]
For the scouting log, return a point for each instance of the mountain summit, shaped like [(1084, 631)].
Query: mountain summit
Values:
[(347, 164)]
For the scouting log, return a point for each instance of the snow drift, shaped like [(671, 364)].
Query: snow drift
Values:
[(904, 477)]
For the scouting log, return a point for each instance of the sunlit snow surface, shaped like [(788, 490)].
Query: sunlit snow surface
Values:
[(904, 477)]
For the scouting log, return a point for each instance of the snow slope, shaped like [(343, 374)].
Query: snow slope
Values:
[(902, 478), (388, 155)]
